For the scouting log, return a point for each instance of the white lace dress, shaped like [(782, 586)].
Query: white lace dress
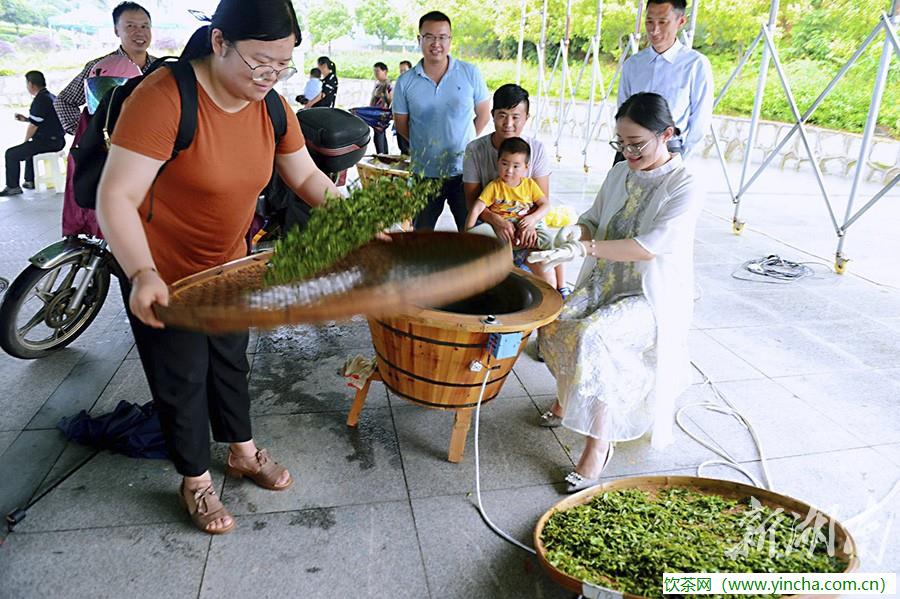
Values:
[(603, 349)]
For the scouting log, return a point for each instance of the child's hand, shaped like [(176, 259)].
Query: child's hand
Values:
[(505, 230)]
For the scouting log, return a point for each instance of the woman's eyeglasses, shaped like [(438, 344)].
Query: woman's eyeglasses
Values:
[(264, 72), (633, 149)]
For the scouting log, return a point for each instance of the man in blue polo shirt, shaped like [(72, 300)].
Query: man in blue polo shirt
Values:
[(440, 105)]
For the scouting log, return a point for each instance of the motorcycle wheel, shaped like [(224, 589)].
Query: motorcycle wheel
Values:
[(34, 322)]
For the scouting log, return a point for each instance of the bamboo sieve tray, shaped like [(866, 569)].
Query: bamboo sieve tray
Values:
[(378, 279)]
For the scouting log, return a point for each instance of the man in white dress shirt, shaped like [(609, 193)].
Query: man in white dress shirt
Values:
[(679, 74)]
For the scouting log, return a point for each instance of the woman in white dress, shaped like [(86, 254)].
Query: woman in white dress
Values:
[(619, 348)]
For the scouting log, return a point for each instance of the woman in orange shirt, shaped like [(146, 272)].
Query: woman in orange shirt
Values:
[(203, 203)]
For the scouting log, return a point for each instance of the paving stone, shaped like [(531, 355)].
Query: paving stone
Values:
[(864, 404), (24, 464), (717, 361), (331, 463), (514, 452), (786, 350), (465, 559), (78, 391), (322, 552), (291, 383), (111, 562), (27, 384), (867, 340)]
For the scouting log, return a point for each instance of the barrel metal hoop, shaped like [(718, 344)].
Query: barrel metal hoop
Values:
[(427, 339), (437, 405), (440, 383)]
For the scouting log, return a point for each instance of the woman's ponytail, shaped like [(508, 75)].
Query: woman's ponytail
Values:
[(198, 46)]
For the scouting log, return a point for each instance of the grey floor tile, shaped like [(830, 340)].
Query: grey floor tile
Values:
[(291, 383), (891, 451), (844, 484), (25, 463), (6, 439), (874, 344), (27, 384), (464, 559), (314, 341), (534, 375), (718, 308), (111, 490), (331, 463), (78, 391), (865, 403), (112, 562), (869, 299), (785, 424), (127, 384), (514, 451), (354, 551), (785, 350), (716, 361), (891, 373), (794, 303)]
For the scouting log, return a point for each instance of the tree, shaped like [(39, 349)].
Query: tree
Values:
[(20, 12), (328, 22), (379, 18)]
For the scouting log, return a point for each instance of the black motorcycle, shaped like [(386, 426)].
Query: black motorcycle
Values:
[(62, 290)]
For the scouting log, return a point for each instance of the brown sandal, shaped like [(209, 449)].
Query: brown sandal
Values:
[(207, 509), (264, 471)]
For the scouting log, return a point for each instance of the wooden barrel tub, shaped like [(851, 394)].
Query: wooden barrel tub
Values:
[(426, 355)]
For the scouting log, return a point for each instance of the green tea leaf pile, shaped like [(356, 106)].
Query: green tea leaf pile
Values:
[(342, 225), (627, 539)]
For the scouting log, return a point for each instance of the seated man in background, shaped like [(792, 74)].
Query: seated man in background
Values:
[(510, 114), (44, 134)]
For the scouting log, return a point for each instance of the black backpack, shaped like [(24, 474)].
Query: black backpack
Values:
[(93, 148)]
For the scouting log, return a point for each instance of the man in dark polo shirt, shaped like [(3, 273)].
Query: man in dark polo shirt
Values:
[(44, 134)]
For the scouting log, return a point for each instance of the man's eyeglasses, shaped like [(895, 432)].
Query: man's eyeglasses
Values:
[(264, 72), (430, 39), (633, 149)]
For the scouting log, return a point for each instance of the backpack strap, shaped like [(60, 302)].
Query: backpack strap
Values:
[(275, 108), (187, 90)]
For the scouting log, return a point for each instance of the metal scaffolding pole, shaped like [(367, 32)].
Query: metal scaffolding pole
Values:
[(564, 79), (595, 75), (542, 64), (754, 116), (887, 25), (890, 47), (521, 43)]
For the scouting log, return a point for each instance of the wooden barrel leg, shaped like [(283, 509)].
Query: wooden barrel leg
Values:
[(360, 399), (461, 421)]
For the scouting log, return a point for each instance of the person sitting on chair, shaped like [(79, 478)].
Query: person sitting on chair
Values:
[(619, 350), (44, 134)]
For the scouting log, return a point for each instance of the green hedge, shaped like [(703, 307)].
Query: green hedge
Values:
[(845, 108)]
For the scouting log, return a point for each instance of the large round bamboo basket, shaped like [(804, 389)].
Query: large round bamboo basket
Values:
[(424, 355), (845, 547), (381, 278)]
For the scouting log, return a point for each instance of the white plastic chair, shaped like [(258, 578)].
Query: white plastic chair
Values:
[(50, 171)]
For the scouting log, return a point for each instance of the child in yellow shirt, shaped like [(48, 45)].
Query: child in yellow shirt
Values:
[(512, 207)]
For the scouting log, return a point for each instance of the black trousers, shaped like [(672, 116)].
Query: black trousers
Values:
[(197, 381), (380, 139), (451, 192), (674, 146), (26, 152)]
